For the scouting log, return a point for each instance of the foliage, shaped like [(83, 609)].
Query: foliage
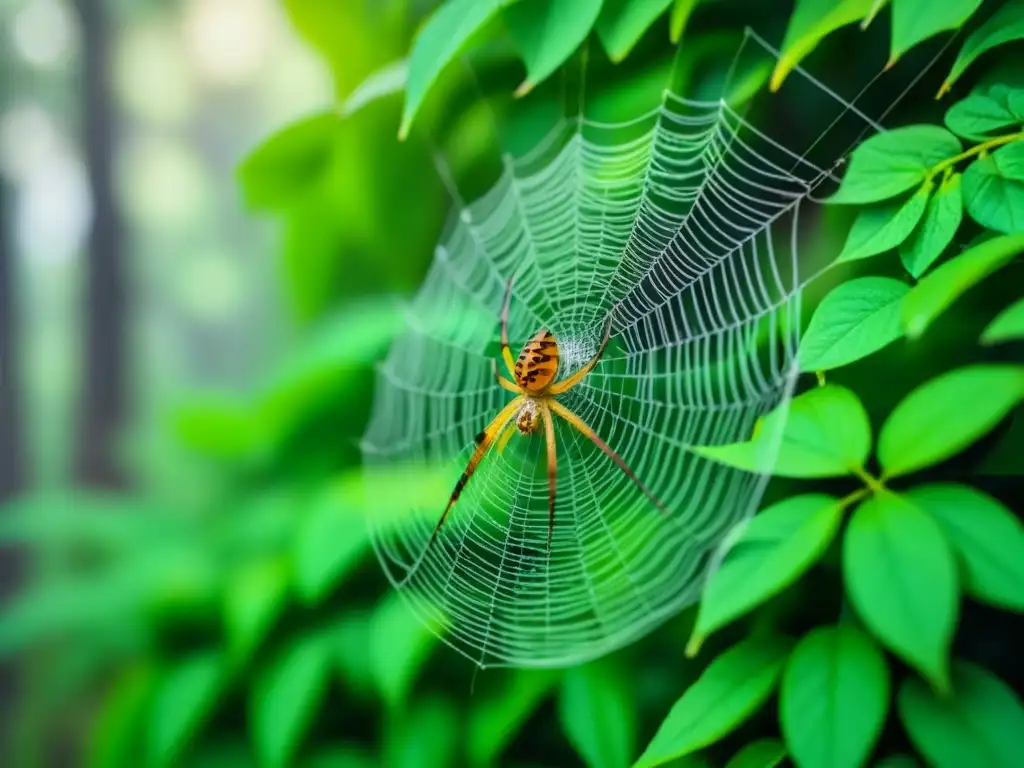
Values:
[(251, 621)]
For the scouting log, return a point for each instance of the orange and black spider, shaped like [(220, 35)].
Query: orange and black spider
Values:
[(536, 389)]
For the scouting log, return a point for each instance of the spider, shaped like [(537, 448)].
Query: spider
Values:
[(535, 403)]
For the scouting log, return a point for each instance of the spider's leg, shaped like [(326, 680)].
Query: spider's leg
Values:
[(506, 353), (483, 441), (564, 386), (503, 440), (587, 432), (549, 435), (505, 383)]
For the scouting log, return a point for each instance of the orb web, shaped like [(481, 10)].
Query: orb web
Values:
[(683, 225)]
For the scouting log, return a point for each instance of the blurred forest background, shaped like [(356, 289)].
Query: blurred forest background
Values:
[(190, 313)]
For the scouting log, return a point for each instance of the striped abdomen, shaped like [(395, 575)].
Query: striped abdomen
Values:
[(538, 362)]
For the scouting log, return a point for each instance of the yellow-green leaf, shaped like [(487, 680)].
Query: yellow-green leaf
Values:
[(914, 21), (882, 227), (811, 22), (1007, 326), (1004, 25)]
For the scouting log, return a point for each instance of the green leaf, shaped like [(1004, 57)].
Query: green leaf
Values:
[(681, 12), (289, 163), (399, 645), (115, 733), (771, 552), (930, 298), (351, 640), (383, 82), (994, 189), (1007, 326), (987, 538), (880, 228), (424, 735), (937, 230), (546, 32), (982, 112), (184, 700), (623, 22), (945, 415), (834, 698), (331, 541), (729, 691), (437, 44), (979, 726), (286, 696), (1004, 25), (856, 319), (496, 719), (253, 598), (893, 162), (597, 709), (824, 432), (811, 22), (914, 21), (765, 753), (900, 576)]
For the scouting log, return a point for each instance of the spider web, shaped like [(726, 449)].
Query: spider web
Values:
[(684, 224)]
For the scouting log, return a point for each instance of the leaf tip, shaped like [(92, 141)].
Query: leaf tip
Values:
[(694, 645), (524, 88), (944, 89), (403, 130), (891, 62)]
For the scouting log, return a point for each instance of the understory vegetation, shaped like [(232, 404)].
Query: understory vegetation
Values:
[(227, 610)]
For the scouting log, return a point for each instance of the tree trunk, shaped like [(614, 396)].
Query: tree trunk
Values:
[(103, 398)]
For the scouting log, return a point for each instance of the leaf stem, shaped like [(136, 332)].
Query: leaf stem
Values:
[(975, 150), (874, 485)]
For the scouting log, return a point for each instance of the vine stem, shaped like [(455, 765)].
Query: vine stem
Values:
[(975, 150)]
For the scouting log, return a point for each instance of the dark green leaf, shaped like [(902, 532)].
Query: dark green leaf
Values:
[(436, 45), (900, 575), (330, 543), (834, 698), (289, 163), (598, 713), (937, 230), (253, 599), (1004, 25), (771, 552), (979, 726), (496, 719), (880, 228), (1007, 326), (914, 21), (982, 112), (681, 11), (185, 698), (897, 761), (399, 645), (986, 536), (729, 691), (766, 753), (811, 22), (546, 32), (893, 162), (424, 735), (824, 432), (286, 696), (945, 415), (937, 291), (623, 22), (994, 189), (856, 319)]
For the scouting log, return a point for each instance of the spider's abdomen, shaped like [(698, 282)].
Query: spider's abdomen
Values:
[(538, 362)]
